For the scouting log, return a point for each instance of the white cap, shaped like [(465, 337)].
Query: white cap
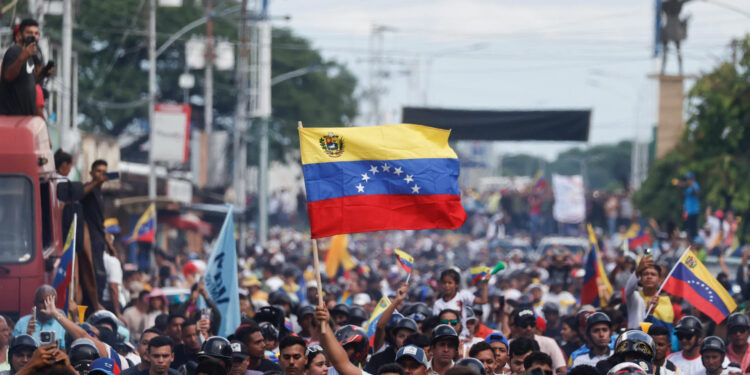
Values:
[(361, 299)]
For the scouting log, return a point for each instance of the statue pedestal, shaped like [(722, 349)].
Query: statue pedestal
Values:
[(671, 104)]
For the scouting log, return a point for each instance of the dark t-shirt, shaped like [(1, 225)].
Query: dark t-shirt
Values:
[(93, 204), (388, 355), (181, 356), (266, 365), (18, 97)]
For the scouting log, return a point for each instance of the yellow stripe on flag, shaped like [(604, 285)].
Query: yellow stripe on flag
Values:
[(605, 287), (404, 256), (691, 261), (385, 142), (338, 255), (378, 311)]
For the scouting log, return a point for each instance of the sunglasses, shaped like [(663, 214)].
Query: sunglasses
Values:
[(527, 324), (313, 349), (684, 336), (739, 329), (452, 322)]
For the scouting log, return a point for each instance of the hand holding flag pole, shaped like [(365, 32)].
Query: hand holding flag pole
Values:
[(651, 306)]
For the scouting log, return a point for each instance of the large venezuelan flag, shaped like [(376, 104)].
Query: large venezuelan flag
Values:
[(691, 280), (379, 178)]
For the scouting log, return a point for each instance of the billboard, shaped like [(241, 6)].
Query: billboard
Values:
[(171, 133)]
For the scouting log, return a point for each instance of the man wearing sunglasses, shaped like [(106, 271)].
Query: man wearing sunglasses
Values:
[(689, 332), (523, 324), (738, 330)]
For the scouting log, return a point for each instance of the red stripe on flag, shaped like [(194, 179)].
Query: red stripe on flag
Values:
[(589, 292), (367, 213), (682, 289)]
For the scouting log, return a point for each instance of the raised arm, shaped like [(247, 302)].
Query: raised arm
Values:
[(383, 322), (334, 351), (71, 328)]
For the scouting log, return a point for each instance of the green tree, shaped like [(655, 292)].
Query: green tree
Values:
[(714, 147), (111, 45)]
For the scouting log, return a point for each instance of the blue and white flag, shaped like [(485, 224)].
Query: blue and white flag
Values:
[(221, 277)]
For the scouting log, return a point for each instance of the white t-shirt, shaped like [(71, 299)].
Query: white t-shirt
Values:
[(587, 359), (691, 366), (113, 268), (462, 299)]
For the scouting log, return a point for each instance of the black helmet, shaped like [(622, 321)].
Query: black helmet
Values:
[(689, 324), (357, 315), (104, 317), (82, 352), (421, 293), (352, 335), (305, 310), (219, 348), (713, 343), (340, 309), (738, 320), (473, 364), (421, 308), (395, 318), (443, 331), (22, 341), (597, 318), (279, 297), (418, 317), (272, 314), (268, 331), (637, 343), (407, 323)]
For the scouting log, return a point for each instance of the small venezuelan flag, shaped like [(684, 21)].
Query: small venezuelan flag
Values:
[(691, 280), (477, 273), (375, 178), (406, 260), (145, 228)]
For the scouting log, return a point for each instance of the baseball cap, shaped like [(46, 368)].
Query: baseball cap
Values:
[(239, 350), (413, 352), (524, 315), (496, 337), (104, 366)]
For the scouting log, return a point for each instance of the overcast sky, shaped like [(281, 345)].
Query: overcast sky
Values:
[(530, 54)]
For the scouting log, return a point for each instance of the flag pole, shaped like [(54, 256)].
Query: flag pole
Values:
[(408, 276), (72, 287), (667, 278), (316, 265)]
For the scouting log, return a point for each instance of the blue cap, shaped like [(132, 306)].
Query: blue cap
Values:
[(689, 175), (413, 352), (496, 337), (103, 365)]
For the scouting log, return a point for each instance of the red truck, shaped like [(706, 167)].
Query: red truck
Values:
[(31, 236)]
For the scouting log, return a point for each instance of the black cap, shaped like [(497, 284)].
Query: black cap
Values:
[(239, 350)]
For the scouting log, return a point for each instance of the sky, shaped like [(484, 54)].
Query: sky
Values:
[(503, 54)]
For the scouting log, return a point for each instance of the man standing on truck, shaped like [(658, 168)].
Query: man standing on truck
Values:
[(18, 74), (93, 213)]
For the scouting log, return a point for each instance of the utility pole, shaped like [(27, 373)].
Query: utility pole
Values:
[(240, 125), (67, 70), (151, 97), (209, 84), (264, 112)]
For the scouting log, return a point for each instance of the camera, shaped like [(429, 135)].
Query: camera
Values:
[(28, 40), (46, 338)]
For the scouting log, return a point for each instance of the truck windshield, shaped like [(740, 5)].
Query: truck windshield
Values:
[(16, 219)]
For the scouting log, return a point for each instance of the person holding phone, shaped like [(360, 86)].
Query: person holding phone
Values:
[(18, 74), (93, 214)]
